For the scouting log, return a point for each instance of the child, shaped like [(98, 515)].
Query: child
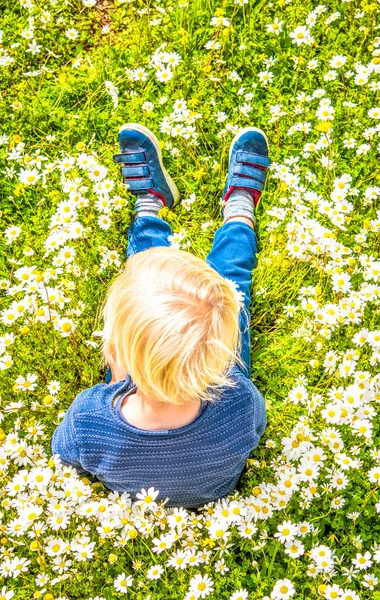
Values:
[(180, 412)]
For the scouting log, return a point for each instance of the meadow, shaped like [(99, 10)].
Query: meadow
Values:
[(305, 519)]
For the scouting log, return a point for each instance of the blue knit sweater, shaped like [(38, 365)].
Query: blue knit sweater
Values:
[(191, 465)]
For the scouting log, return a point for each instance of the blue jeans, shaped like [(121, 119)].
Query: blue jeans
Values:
[(233, 255)]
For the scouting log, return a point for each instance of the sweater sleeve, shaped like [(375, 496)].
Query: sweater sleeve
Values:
[(64, 441), (258, 403)]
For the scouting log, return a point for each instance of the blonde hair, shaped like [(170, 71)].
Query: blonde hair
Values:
[(172, 322)]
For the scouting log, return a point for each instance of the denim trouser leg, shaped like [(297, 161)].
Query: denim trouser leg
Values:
[(147, 232), (233, 255)]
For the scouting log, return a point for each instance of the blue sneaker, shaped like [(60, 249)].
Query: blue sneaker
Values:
[(141, 164), (249, 159)]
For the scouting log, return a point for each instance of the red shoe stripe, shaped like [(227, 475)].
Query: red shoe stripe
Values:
[(254, 193), (256, 166), (161, 197)]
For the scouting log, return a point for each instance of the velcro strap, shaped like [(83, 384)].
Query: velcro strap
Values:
[(138, 185), (247, 182), (130, 157), (253, 159), (140, 171), (250, 172)]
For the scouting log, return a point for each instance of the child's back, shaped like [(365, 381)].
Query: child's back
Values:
[(192, 465)]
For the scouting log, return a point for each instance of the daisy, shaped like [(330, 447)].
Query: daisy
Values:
[(298, 394), (164, 542), (326, 112), (55, 547), (12, 233), (221, 567), (294, 549), (337, 502), (104, 222), (330, 75), (363, 561), (6, 595), (348, 594), (338, 61), (332, 592), (66, 254), (241, 594), (374, 475), (304, 528), (113, 257), (123, 582), (193, 557), (140, 74), (286, 531), (83, 550), (71, 33), (301, 35), (370, 581), (27, 384), (17, 527), (64, 326), (164, 75), (18, 566), (363, 427), (283, 590), (374, 113), (178, 560), (202, 585), (146, 498), (6, 362), (178, 518), (265, 77), (6, 568), (97, 172), (212, 45), (220, 21), (219, 530), (320, 552), (275, 27), (172, 58), (61, 564), (59, 521), (29, 176), (41, 580), (154, 572), (53, 387)]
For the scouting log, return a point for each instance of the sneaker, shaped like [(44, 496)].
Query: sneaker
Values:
[(141, 164), (249, 160)]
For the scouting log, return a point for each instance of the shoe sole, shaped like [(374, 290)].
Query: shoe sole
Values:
[(150, 135), (241, 131)]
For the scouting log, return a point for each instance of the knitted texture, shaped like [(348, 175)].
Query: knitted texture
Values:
[(148, 205), (239, 204), (191, 465)]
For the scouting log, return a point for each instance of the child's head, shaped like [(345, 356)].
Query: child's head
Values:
[(172, 322)]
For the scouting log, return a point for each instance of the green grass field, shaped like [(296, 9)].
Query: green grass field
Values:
[(305, 521)]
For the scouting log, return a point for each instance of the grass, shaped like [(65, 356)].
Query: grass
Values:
[(55, 106)]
